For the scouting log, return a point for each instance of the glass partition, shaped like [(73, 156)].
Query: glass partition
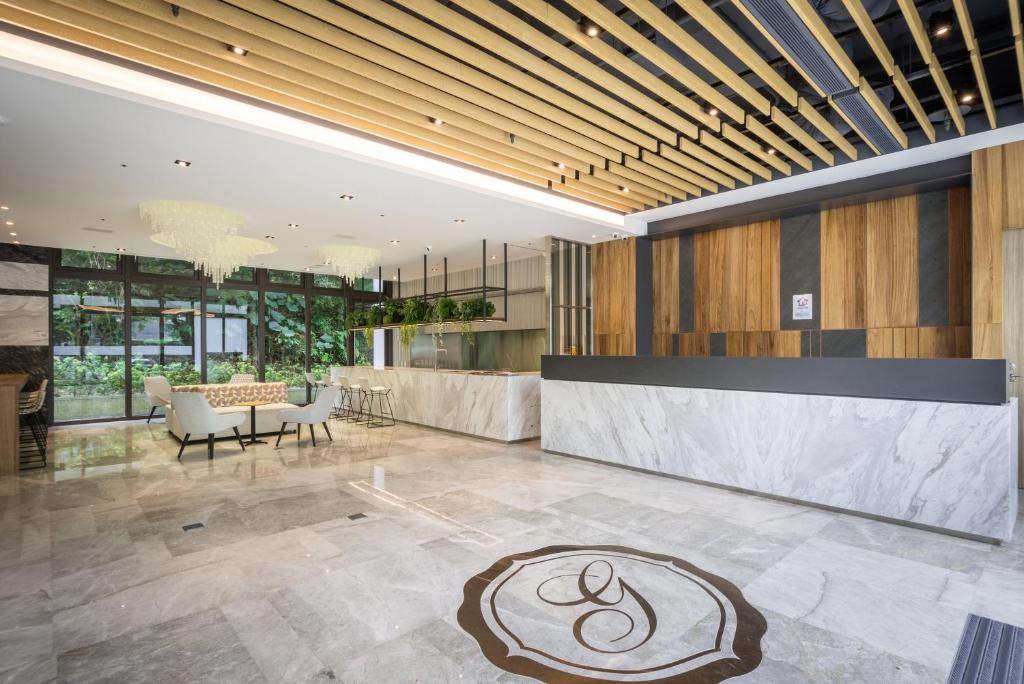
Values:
[(163, 337), (232, 318), (285, 333), (88, 349)]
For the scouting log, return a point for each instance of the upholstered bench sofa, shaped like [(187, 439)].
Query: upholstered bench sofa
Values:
[(225, 398)]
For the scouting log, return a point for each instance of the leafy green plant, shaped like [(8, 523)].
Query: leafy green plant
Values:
[(445, 309), (373, 316), (354, 319), (368, 338), (407, 333), (392, 312), (414, 310), (477, 307)]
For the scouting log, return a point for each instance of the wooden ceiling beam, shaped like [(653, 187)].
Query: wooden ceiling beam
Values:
[(924, 46), (680, 188), (687, 162), (650, 186), (572, 188), (472, 31), (884, 55), (705, 156), (734, 155), (967, 31)]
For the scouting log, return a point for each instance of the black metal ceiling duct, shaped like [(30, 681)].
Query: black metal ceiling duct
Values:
[(779, 19)]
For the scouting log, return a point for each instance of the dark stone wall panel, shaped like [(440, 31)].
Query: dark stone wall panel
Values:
[(799, 267), (933, 258), (845, 343)]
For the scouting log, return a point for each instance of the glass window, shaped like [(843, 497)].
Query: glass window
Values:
[(154, 266), (366, 285), (243, 274), (286, 342), (327, 280), (284, 277), (327, 327), (75, 258), (164, 341), (232, 317), (362, 342), (88, 349)]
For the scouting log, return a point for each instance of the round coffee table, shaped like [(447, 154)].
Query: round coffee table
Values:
[(252, 418)]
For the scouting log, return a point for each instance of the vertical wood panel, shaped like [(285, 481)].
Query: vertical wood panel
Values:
[(614, 297), (959, 256), (891, 263), (842, 267), (752, 259), (1013, 172), (666, 284), (774, 284), (988, 213), (735, 279)]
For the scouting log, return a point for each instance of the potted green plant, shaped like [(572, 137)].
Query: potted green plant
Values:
[(414, 310), (354, 319), (392, 312), (445, 309), (373, 316)]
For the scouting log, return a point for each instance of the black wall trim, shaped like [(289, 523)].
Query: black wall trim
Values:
[(968, 381)]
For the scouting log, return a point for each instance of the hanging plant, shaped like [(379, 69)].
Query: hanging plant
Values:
[(477, 307), (373, 316), (414, 310), (368, 338), (445, 309), (392, 312), (466, 328), (354, 319), (407, 333)]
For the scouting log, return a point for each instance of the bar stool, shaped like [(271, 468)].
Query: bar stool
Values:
[(363, 387), (343, 407), (30, 408), (382, 394)]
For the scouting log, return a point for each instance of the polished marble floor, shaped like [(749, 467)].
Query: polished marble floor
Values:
[(286, 582)]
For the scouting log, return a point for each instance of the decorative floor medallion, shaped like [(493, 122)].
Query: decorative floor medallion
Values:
[(579, 614)]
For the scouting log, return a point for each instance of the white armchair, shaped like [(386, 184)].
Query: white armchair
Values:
[(317, 412), (197, 417), (158, 393)]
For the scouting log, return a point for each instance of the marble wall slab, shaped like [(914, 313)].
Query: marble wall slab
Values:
[(24, 321), (501, 407), (24, 276), (944, 465)]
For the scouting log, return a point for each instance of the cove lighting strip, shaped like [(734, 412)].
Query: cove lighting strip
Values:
[(150, 89)]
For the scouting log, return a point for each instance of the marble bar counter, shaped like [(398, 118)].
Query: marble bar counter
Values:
[(499, 406), (931, 443)]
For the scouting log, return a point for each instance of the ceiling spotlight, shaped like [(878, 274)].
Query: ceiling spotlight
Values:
[(307, 269), (9, 223), (347, 198), (4, 208), (460, 220), (494, 257), (711, 110), (394, 277), (394, 242), (593, 237), (240, 51), (269, 237), (940, 24), (183, 163), (623, 189), (560, 165), (436, 121), (293, 225), (589, 28), (120, 249), (13, 234), (769, 150), (967, 98)]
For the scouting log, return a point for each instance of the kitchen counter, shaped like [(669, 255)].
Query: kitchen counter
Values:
[(495, 405), (932, 443)]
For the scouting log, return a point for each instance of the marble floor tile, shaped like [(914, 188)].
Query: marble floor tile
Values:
[(348, 561)]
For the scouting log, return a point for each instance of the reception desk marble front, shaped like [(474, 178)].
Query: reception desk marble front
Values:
[(948, 466), (502, 407)]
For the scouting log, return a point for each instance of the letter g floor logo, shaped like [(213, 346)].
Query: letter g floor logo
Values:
[(587, 614)]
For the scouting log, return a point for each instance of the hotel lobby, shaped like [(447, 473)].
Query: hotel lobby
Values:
[(568, 341)]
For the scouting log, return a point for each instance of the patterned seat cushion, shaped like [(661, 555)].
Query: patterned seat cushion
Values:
[(230, 395)]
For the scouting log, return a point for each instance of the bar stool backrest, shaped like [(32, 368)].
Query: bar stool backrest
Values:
[(363, 383)]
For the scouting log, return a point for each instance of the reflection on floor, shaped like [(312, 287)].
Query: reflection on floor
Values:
[(285, 582)]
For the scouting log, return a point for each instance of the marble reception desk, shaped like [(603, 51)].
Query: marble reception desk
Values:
[(942, 464), (503, 407)]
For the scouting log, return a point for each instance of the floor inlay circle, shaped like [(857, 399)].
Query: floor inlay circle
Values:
[(592, 614)]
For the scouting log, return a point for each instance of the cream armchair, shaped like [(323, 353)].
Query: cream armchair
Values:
[(158, 393), (317, 412), (198, 418)]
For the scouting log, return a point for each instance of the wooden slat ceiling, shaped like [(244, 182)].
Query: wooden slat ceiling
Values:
[(648, 112)]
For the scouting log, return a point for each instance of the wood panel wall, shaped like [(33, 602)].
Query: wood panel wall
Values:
[(614, 297), (869, 282)]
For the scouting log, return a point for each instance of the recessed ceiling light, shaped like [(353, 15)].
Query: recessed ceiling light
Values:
[(769, 150), (347, 198), (712, 110), (293, 225), (589, 28), (9, 223), (560, 165), (394, 242), (623, 189), (460, 220), (4, 208), (241, 51), (381, 215), (940, 23), (593, 237), (494, 257), (183, 163), (436, 121), (394, 277), (13, 234), (120, 249), (270, 237), (967, 98), (307, 269)]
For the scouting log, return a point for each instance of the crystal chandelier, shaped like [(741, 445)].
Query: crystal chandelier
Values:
[(205, 234), (226, 255), (350, 261)]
